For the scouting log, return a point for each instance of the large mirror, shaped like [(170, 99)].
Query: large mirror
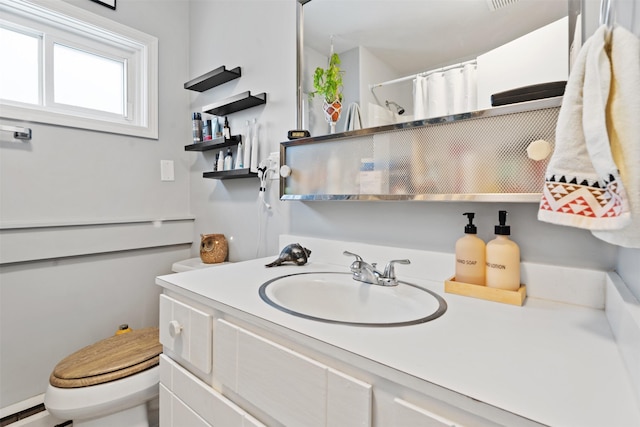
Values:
[(406, 60)]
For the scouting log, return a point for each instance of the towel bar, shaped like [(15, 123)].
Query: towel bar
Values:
[(18, 132)]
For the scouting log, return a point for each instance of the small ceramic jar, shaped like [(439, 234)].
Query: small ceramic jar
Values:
[(213, 248)]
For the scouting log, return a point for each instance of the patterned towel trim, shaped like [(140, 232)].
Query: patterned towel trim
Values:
[(593, 205)]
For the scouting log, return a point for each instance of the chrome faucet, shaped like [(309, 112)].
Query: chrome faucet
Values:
[(367, 273)]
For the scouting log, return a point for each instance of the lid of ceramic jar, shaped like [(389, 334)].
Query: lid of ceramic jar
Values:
[(113, 358)]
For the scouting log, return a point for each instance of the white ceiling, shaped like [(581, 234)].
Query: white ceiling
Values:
[(418, 35)]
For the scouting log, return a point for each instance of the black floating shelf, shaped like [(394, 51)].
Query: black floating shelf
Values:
[(212, 144), (212, 79), (230, 174), (235, 103)]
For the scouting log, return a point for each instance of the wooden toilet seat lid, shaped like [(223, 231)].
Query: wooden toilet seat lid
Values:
[(113, 358)]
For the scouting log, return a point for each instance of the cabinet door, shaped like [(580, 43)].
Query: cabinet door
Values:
[(186, 331), (407, 414), (290, 387), (348, 400)]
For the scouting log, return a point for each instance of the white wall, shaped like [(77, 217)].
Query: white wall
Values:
[(313, 117), (79, 184), (258, 36), (373, 70)]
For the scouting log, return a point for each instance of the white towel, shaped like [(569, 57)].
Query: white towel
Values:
[(420, 98), (583, 187), (353, 121), (623, 122)]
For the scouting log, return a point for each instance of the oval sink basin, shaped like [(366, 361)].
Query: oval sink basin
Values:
[(337, 298)]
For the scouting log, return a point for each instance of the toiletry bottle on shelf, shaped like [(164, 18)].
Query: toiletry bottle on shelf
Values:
[(215, 162), (218, 129), (246, 161), (239, 156), (254, 146), (226, 131), (206, 130), (196, 122), (470, 255), (503, 258), (228, 160), (220, 161)]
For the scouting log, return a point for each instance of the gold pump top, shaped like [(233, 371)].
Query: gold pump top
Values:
[(113, 358)]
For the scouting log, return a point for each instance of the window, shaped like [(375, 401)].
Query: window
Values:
[(102, 89), (72, 68), (19, 79)]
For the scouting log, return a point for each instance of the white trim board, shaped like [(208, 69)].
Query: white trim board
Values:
[(38, 243)]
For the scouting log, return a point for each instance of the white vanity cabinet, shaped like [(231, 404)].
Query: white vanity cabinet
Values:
[(256, 377)]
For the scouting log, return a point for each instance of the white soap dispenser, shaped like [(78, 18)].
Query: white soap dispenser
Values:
[(220, 165), (228, 160), (470, 255), (239, 157), (503, 258)]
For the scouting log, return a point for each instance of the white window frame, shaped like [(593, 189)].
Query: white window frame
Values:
[(62, 23)]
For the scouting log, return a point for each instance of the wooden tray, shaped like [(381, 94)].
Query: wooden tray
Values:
[(484, 292)]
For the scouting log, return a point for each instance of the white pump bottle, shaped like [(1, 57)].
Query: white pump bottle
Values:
[(503, 258), (470, 255)]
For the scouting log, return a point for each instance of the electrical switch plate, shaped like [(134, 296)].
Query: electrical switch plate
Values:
[(166, 170)]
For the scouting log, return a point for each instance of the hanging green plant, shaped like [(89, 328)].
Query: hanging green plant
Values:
[(328, 82)]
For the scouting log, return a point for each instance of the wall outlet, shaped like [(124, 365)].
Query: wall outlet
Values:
[(166, 170), (273, 165)]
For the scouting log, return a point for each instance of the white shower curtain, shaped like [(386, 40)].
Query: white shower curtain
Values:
[(420, 107), (437, 95), (455, 91), (470, 81)]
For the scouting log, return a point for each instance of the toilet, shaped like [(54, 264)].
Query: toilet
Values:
[(108, 383), (114, 382), (192, 264)]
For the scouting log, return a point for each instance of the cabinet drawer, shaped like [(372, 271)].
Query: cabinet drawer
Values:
[(290, 387), (203, 400), (187, 332), (408, 414), (174, 413)]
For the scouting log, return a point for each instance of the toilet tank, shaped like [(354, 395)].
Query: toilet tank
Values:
[(192, 264)]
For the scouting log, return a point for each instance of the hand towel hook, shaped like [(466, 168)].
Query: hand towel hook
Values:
[(18, 132)]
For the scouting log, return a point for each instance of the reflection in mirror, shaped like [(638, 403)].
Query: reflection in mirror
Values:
[(405, 60)]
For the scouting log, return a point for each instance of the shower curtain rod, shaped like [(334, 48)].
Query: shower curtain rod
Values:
[(425, 73)]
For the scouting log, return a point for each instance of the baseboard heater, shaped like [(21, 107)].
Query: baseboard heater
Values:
[(24, 414)]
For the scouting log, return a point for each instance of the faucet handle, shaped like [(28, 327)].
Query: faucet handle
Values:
[(389, 270), (357, 264), (358, 257)]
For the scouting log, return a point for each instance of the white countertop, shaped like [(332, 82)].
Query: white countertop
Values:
[(555, 363)]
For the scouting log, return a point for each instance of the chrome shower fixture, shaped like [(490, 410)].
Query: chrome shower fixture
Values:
[(399, 109)]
